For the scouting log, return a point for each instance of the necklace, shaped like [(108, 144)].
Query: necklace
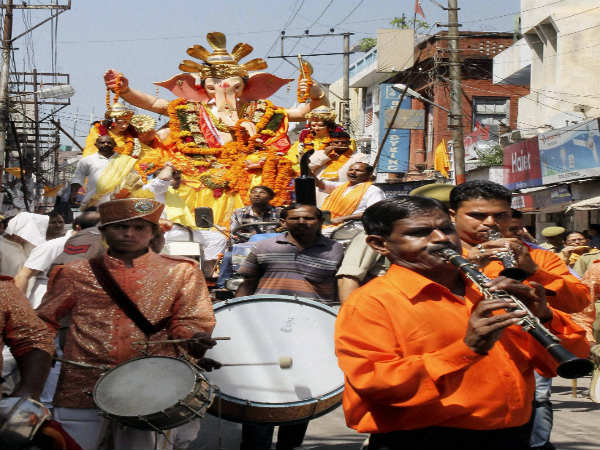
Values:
[(217, 122)]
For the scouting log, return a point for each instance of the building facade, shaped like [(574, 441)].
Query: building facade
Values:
[(426, 71)]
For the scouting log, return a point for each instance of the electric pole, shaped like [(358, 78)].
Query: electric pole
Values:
[(455, 117), (4, 72), (346, 83)]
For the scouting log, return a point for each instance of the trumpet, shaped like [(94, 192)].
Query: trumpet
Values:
[(507, 258), (569, 365)]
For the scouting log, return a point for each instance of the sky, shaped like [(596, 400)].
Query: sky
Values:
[(147, 39)]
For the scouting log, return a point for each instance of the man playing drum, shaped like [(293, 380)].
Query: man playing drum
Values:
[(164, 296), (430, 362), (299, 262)]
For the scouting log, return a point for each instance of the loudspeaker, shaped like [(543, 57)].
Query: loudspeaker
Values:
[(305, 191), (204, 217)]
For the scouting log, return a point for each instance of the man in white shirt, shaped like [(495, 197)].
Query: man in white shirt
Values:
[(92, 167), (347, 201), (41, 258)]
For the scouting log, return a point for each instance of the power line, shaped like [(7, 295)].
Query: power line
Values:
[(287, 24)]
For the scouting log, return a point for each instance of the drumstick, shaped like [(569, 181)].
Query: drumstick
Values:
[(180, 341), (285, 362)]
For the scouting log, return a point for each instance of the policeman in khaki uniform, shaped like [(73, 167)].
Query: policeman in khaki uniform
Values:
[(554, 238)]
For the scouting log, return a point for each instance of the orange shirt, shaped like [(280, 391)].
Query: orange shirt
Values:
[(100, 332), (399, 342), (571, 294)]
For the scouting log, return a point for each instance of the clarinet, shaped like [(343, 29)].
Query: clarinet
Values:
[(569, 365), (507, 258)]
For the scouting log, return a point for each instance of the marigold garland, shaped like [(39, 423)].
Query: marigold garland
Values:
[(304, 75), (220, 168), (117, 92)]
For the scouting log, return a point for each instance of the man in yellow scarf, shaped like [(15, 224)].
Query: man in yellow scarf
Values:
[(347, 201)]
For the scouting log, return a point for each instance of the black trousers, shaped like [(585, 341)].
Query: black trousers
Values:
[(435, 438)]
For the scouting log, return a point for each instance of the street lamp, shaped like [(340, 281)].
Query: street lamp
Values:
[(60, 91), (400, 88)]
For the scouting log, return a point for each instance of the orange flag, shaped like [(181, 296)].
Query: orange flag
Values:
[(441, 162)]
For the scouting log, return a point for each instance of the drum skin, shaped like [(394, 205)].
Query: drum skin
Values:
[(153, 393), (264, 328)]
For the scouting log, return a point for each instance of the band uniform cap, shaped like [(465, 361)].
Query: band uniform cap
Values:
[(436, 191), (553, 231), (130, 208)]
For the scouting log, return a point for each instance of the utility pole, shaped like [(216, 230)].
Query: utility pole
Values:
[(4, 72), (55, 179), (36, 145), (346, 83), (455, 117)]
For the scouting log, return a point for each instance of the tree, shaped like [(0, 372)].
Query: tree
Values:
[(490, 157), (367, 44), (406, 24)]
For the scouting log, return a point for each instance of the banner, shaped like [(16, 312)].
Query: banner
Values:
[(394, 154), (478, 139), (570, 153), (522, 165)]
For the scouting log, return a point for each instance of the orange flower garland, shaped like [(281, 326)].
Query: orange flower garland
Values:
[(304, 74), (226, 165), (117, 92)]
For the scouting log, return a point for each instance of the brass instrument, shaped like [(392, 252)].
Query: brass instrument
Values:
[(507, 258), (569, 365)]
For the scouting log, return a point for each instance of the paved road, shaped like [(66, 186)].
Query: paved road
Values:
[(576, 425)]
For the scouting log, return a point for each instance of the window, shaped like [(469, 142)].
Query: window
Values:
[(489, 111)]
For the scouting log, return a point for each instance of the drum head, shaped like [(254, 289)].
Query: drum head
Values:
[(144, 386), (264, 328)]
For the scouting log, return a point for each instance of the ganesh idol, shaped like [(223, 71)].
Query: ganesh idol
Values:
[(224, 135)]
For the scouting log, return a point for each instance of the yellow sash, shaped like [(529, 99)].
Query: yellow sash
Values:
[(112, 176), (341, 205)]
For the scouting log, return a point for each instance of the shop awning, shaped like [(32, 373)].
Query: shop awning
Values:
[(585, 205)]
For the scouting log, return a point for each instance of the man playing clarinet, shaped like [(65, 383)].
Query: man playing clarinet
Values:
[(480, 207), (430, 362)]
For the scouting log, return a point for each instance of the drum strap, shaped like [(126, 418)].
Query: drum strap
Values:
[(114, 291)]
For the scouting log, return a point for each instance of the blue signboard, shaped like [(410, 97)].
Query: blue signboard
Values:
[(394, 154), (570, 153)]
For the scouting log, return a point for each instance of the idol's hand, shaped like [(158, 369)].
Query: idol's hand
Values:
[(316, 91), (110, 80)]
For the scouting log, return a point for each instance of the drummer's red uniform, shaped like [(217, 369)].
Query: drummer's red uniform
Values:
[(101, 333), (399, 342), (20, 327), (571, 294)]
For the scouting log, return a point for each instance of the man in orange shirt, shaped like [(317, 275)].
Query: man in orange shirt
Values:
[(480, 206), (429, 363)]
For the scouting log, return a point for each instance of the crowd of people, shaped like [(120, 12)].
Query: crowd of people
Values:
[(431, 359)]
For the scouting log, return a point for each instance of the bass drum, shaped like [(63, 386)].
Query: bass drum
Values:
[(264, 328)]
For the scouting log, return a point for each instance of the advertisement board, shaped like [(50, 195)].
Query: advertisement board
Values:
[(570, 153), (394, 154), (522, 165)]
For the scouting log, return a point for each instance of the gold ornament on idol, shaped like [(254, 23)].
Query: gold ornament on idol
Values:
[(220, 63)]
